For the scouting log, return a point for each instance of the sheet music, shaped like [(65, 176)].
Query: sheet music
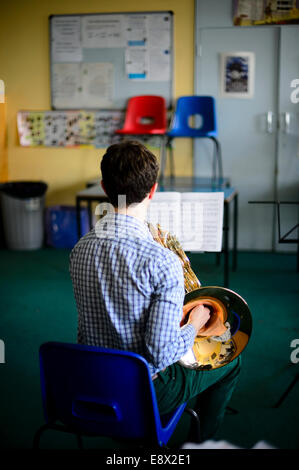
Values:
[(165, 210), (202, 221), (195, 218)]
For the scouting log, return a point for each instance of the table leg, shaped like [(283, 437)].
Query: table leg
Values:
[(235, 242), (89, 214), (78, 215), (226, 244)]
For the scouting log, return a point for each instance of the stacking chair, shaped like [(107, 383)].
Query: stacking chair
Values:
[(188, 108), (95, 391), (146, 115)]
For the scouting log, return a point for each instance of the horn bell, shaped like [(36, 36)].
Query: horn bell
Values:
[(227, 332)]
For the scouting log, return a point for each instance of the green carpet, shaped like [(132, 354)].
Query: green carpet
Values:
[(37, 305)]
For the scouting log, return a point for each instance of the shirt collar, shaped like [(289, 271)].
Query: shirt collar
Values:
[(114, 225)]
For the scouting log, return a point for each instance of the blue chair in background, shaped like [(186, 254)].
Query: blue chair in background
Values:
[(195, 117), (95, 391)]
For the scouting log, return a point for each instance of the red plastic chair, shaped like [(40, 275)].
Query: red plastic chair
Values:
[(147, 115)]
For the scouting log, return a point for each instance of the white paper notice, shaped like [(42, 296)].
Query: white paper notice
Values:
[(66, 43), (97, 84), (102, 32), (136, 30), (159, 48), (159, 65), (66, 82), (137, 62)]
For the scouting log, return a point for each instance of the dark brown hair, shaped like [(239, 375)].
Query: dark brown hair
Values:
[(129, 169)]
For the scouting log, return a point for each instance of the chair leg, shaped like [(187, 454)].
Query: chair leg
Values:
[(80, 442), (171, 161), (214, 164), (38, 434), (220, 162), (195, 416), (218, 154), (163, 158)]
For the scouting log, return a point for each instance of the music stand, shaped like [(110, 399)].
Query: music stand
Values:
[(284, 239)]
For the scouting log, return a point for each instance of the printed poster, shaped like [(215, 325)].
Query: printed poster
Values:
[(237, 75), (261, 12)]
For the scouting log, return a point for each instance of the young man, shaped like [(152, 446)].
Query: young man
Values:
[(129, 291)]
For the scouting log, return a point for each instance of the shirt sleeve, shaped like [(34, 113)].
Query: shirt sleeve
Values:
[(166, 342)]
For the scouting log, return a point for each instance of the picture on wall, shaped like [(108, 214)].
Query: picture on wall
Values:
[(237, 75)]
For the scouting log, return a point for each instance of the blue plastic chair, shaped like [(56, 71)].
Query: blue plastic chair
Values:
[(94, 391), (186, 108)]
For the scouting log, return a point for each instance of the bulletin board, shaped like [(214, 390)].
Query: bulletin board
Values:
[(98, 61)]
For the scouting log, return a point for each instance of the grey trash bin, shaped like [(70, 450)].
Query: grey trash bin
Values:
[(22, 205)]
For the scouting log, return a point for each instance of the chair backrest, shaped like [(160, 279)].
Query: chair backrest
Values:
[(98, 391), (192, 106), (146, 114)]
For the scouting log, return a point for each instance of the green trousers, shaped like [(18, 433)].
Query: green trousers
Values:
[(212, 389)]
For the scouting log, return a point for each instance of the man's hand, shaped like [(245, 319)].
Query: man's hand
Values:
[(199, 316)]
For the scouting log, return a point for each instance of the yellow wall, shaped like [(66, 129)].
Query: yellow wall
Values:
[(24, 67), (3, 144)]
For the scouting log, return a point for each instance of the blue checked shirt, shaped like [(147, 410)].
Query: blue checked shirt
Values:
[(129, 292)]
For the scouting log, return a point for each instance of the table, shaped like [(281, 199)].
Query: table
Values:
[(96, 194)]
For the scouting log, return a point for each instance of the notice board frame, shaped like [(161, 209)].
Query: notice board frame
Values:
[(123, 86)]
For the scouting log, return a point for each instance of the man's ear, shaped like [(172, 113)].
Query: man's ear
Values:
[(102, 184), (152, 191)]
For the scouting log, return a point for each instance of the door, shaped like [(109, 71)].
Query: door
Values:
[(288, 131), (247, 136)]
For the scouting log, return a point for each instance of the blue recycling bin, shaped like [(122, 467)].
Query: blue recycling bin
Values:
[(61, 226)]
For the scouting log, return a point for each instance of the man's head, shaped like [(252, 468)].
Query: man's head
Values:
[(129, 169)]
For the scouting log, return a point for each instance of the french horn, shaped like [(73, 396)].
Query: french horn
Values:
[(227, 332)]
